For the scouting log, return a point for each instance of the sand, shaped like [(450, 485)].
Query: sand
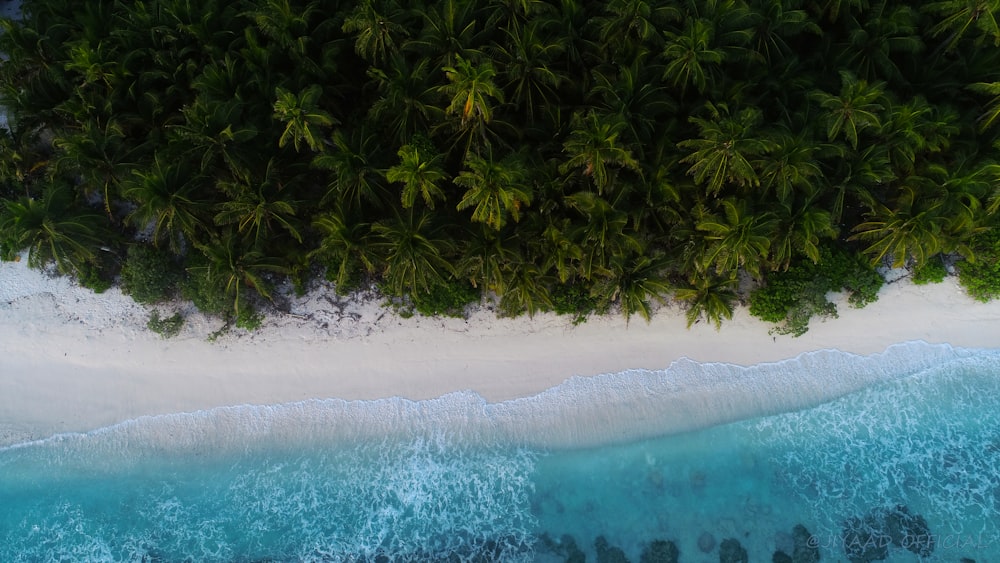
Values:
[(74, 361)]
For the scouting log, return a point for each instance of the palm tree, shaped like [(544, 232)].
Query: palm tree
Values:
[(526, 60), (774, 24), (725, 148), (935, 210), (992, 114), (593, 146), (407, 100), (225, 81), (874, 44), (487, 258), (257, 207), (355, 166), (512, 14), (854, 110), (168, 200), (738, 239), (901, 234), (54, 228), (860, 179), (833, 9), (416, 252), (448, 33), (216, 132), (237, 269), (557, 249), (958, 17), (634, 280), (602, 236), (710, 297), (93, 66), (472, 94), (285, 23), (496, 188), (345, 246), (527, 290), (792, 166), (420, 172), (691, 57), (628, 24), (100, 155), (378, 34), (636, 95), (570, 25), (913, 130), (801, 224), (302, 117)]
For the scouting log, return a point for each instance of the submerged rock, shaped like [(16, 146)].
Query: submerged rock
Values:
[(909, 531), (805, 548), (732, 552), (706, 542), (660, 551), (797, 547), (607, 553), (868, 539), (784, 542), (864, 540)]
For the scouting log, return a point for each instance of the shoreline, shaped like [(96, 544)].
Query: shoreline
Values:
[(73, 361)]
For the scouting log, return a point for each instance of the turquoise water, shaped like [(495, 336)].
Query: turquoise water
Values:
[(894, 456)]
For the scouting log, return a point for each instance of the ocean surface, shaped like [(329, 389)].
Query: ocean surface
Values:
[(892, 457)]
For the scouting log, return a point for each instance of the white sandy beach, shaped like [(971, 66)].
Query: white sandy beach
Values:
[(72, 361)]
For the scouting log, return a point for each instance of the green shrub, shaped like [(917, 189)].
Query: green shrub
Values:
[(249, 318), (931, 272), (982, 277), (97, 278), (205, 291), (346, 282), (168, 327), (573, 299), (449, 299), (791, 298), (149, 275), (862, 283)]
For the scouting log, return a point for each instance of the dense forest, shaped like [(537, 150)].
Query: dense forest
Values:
[(568, 155)]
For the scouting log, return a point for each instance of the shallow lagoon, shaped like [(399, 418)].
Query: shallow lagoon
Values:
[(901, 450)]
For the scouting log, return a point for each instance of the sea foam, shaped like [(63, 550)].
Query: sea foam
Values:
[(581, 412)]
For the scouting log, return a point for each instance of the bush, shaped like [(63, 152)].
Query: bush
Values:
[(573, 299), (982, 277), (249, 318), (931, 272), (207, 294), (97, 277), (168, 327), (791, 298), (350, 281), (449, 299), (149, 275)]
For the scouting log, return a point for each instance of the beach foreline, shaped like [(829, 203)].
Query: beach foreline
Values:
[(74, 361)]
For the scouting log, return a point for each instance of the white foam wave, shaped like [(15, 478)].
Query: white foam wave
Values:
[(581, 412), (931, 442), (396, 501)]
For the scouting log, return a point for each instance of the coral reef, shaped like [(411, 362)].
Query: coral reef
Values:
[(660, 551), (732, 552)]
